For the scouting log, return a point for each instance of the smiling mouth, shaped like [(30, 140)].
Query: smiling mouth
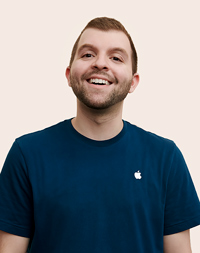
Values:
[(97, 81)]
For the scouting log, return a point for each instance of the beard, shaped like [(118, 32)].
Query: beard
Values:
[(99, 99)]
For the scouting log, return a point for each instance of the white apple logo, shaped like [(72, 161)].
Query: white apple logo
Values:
[(138, 175)]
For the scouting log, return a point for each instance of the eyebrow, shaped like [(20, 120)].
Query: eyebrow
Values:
[(119, 49), (89, 46), (115, 49)]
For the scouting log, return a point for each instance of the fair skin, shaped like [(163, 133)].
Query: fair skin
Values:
[(12, 243), (113, 61), (107, 55), (176, 243)]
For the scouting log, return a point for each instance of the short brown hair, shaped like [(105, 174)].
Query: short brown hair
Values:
[(106, 24)]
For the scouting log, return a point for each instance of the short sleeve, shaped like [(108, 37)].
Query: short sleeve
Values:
[(16, 202), (182, 206)]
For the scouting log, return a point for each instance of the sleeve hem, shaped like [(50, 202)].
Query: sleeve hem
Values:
[(15, 230), (185, 225)]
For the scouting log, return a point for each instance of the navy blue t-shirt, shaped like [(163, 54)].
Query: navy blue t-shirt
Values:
[(72, 194)]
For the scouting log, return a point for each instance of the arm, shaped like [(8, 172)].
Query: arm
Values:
[(10, 243), (177, 243)]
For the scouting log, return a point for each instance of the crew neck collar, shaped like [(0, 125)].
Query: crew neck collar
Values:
[(97, 143)]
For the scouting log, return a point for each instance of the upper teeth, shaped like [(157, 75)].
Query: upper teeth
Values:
[(99, 81)]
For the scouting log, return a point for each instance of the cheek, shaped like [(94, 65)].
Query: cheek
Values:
[(123, 74), (79, 70), (80, 64)]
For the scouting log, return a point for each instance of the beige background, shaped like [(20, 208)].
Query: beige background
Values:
[(36, 41)]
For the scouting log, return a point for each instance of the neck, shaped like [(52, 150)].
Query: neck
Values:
[(98, 124)]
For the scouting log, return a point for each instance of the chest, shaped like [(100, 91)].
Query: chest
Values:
[(99, 178)]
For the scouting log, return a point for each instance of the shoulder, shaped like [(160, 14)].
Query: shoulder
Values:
[(149, 140), (44, 137)]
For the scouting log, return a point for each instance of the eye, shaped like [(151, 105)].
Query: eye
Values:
[(115, 58), (87, 55)]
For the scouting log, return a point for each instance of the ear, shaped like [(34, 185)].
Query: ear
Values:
[(67, 74), (135, 81)]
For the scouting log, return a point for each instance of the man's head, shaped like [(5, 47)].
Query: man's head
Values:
[(106, 24), (102, 69)]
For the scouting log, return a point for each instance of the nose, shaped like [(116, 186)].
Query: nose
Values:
[(100, 62)]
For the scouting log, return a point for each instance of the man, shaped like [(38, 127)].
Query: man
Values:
[(96, 183)]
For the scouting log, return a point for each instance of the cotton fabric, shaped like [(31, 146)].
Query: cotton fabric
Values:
[(72, 194)]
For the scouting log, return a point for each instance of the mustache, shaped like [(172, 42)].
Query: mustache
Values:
[(102, 73)]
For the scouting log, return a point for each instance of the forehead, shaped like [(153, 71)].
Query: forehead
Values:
[(105, 40)]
